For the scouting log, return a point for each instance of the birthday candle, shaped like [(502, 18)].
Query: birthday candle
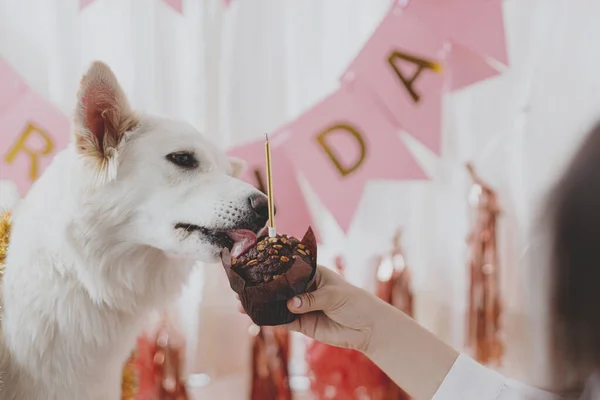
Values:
[(272, 230)]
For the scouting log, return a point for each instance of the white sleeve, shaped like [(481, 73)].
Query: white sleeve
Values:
[(469, 380)]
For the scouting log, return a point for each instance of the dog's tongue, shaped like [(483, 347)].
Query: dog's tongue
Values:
[(243, 240)]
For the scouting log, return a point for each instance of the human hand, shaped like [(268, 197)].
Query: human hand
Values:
[(336, 313), (340, 314)]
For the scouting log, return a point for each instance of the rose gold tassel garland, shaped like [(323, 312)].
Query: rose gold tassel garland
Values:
[(5, 228), (153, 372), (393, 278), (270, 355), (484, 333), (4, 238), (344, 374)]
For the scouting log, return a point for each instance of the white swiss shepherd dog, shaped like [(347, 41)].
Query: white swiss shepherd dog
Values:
[(107, 235)]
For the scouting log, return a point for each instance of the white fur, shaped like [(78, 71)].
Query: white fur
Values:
[(90, 259)]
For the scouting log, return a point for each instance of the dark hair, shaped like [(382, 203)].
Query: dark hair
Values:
[(575, 229)]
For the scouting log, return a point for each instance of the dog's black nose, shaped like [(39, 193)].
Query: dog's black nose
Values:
[(260, 205)]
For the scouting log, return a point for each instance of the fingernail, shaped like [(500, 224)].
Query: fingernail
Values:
[(159, 358), (297, 302), (162, 341), (169, 384)]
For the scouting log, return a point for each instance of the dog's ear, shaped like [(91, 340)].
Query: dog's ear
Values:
[(237, 167), (102, 116)]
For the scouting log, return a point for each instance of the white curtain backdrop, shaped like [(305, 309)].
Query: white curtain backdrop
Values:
[(239, 72)]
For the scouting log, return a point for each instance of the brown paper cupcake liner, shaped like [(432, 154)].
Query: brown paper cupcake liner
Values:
[(266, 304)]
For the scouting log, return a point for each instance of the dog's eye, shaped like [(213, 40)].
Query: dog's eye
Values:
[(183, 159)]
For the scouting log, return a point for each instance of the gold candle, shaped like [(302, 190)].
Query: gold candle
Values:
[(272, 230)]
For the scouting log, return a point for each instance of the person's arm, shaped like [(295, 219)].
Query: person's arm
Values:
[(343, 315), (414, 358)]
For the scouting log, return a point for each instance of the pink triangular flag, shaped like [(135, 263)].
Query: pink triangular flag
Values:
[(227, 3), (84, 3), (401, 66), (467, 67), (12, 86), (475, 24), (342, 143), (176, 5), (33, 131), (293, 216)]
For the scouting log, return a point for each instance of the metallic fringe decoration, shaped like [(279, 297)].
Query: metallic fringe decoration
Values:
[(168, 358), (485, 306), (4, 238), (153, 369), (270, 356), (5, 227), (346, 374), (129, 384), (393, 278), (394, 287)]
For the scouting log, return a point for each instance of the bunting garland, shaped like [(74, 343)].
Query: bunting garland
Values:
[(33, 130), (342, 143), (475, 31), (421, 50)]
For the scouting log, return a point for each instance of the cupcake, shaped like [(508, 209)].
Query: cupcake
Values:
[(267, 272)]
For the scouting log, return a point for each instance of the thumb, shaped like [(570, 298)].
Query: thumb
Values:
[(309, 302)]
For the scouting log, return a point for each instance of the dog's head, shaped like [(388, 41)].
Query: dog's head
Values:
[(157, 182)]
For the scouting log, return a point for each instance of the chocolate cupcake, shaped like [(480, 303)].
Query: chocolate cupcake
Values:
[(269, 273)]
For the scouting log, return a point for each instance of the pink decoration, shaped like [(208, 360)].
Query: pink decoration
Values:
[(475, 24), (382, 154), (227, 3), (32, 131), (176, 5), (401, 67), (344, 374), (292, 216), (12, 86), (467, 67)]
